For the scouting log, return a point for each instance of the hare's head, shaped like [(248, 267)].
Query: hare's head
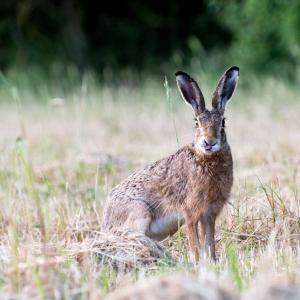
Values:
[(210, 125)]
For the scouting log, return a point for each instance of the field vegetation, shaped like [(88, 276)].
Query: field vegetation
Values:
[(63, 149)]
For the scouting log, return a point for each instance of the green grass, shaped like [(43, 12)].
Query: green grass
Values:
[(61, 156)]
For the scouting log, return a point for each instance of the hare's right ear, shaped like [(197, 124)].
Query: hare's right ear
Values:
[(190, 91), (225, 88)]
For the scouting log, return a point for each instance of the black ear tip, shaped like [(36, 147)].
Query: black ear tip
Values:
[(234, 68), (181, 73)]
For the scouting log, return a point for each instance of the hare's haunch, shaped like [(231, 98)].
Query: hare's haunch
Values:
[(186, 187)]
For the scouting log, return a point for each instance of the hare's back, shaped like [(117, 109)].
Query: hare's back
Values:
[(168, 173)]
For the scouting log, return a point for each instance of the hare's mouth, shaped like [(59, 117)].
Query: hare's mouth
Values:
[(210, 148)]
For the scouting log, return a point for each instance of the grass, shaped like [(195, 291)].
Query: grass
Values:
[(61, 156)]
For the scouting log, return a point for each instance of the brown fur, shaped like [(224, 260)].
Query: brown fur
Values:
[(188, 186)]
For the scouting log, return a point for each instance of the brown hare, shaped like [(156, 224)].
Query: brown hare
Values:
[(186, 187)]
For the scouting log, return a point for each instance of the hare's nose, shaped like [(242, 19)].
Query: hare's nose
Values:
[(209, 144)]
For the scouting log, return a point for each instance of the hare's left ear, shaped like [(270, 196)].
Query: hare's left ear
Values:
[(190, 91), (225, 89)]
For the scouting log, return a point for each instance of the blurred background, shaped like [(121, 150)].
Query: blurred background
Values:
[(134, 39)]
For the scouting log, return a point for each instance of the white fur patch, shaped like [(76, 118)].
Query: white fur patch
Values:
[(165, 225)]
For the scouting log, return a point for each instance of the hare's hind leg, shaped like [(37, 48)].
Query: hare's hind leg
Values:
[(139, 218)]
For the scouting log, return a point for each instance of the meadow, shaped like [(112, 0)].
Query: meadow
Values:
[(62, 152)]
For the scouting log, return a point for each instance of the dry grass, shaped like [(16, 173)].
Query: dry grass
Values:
[(59, 160)]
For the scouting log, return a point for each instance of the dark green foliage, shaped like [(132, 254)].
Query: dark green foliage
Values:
[(266, 34), (150, 36)]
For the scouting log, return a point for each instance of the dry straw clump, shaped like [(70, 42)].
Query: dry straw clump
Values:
[(123, 250), (182, 287), (175, 287)]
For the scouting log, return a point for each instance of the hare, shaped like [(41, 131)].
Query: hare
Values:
[(186, 187)]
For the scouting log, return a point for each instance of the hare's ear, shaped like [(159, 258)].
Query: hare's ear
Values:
[(190, 91), (225, 89)]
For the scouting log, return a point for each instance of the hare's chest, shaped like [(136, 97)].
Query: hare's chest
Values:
[(215, 182)]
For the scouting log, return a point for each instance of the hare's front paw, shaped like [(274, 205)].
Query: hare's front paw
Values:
[(193, 257)]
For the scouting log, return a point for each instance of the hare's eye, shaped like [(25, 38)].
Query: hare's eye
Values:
[(196, 124), (223, 123)]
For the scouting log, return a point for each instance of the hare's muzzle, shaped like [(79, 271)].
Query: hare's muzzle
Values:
[(210, 145)]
